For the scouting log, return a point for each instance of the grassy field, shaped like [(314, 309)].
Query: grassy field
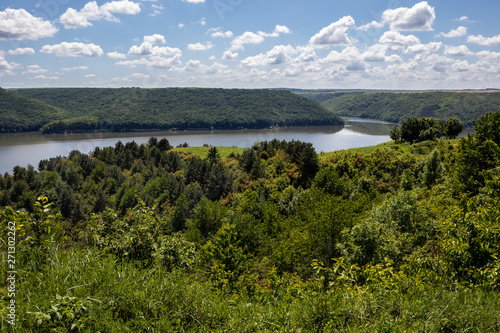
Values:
[(203, 151)]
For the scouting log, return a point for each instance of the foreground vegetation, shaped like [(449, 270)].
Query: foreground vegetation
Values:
[(129, 109), (403, 237)]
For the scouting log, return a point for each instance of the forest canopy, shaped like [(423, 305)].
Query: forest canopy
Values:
[(128, 109), (398, 106)]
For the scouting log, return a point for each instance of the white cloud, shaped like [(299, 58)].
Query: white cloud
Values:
[(147, 48), (116, 55), (73, 19), (228, 55), (438, 63), (485, 41), (462, 66), (458, 32), (247, 38), (34, 69), (121, 7), (372, 25), (463, 19), (432, 47), (89, 75), (396, 41), (43, 77), (154, 39), (74, 49), (133, 63), (22, 51), (153, 62), (200, 46), (165, 63), (217, 32), (282, 29), (377, 53), (256, 38), (307, 54), (77, 68), (334, 34), (18, 24), (457, 51), (488, 55), (348, 55), (140, 76), (280, 54), (194, 1), (181, 25), (418, 18)]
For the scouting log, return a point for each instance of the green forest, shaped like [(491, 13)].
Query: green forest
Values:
[(400, 237), (58, 110), (398, 106)]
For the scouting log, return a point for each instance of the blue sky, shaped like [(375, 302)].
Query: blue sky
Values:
[(317, 44)]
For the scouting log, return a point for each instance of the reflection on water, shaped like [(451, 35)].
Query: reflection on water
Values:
[(29, 148)]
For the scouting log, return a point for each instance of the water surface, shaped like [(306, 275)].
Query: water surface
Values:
[(29, 148)]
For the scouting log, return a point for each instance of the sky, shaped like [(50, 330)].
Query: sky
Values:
[(315, 44)]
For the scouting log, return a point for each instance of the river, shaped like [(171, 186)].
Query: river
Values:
[(29, 148)]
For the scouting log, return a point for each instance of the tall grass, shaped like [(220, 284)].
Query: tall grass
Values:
[(121, 297)]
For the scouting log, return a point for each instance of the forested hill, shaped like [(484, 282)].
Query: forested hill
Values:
[(19, 113), (127, 109), (398, 106)]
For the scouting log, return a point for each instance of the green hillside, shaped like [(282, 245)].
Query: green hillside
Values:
[(395, 107), (179, 108), (397, 238), (20, 114)]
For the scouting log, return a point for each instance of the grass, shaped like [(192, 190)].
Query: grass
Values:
[(203, 151), (121, 297)]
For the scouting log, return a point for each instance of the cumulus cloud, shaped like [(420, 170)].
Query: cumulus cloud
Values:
[(157, 62), (458, 32), (74, 49), (34, 69), (140, 76), (116, 55), (247, 38), (457, 51), (43, 77), (148, 48), (76, 68), (418, 18), (217, 32), (18, 24), (280, 54), (432, 47), (6, 67), (73, 19), (372, 25), (334, 34), (22, 51), (200, 46), (377, 53), (485, 41), (256, 38), (307, 54), (396, 41), (194, 1), (228, 55)]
